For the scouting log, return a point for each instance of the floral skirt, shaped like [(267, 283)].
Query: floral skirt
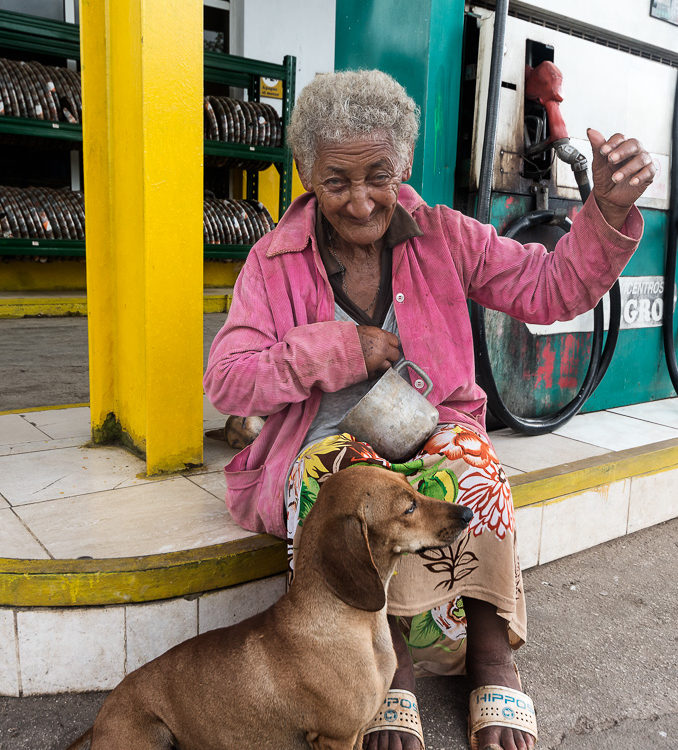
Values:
[(458, 465)]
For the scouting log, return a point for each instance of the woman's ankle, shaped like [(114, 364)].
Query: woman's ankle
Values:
[(488, 652), (404, 674)]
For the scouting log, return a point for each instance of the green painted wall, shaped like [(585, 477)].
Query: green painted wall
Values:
[(638, 370), (420, 45)]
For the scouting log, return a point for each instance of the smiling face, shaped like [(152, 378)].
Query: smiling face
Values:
[(356, 184)]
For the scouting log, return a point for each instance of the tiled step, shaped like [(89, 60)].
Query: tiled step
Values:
[(73, 649), (164, 561)]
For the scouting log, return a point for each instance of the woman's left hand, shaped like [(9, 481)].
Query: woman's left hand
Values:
[(622, 170)]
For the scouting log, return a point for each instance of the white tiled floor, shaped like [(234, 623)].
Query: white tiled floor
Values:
[(62, 423), (16, 540), (664, 412), (616, 432), (163, 516), (15, 429), (529, 453), (60, 499), (65, 472)]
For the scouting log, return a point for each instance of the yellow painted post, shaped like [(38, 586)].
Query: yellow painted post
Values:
[(142, 75)]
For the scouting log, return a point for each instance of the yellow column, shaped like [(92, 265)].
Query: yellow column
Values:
[(142, 75)]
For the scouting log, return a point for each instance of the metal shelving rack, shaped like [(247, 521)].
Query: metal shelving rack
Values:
[(59, 40), (245, 73), (62, 40)]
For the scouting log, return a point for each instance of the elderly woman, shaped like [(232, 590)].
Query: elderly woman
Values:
[(359, 272)]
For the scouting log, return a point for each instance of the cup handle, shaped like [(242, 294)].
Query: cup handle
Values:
[(419, 371)]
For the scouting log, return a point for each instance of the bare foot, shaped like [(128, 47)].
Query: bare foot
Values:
[(402, 680), (489, 661)]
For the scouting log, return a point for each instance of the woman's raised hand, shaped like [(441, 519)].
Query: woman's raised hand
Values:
[(622, 170), (380, 348)]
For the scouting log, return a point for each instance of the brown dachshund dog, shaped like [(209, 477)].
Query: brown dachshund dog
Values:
[(315, 667)]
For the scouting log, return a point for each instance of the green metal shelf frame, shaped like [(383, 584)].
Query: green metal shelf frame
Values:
[(76, 249), (42, 248), (226, 252), (40, 35), (28, 127), (62, 40), (244, 151)]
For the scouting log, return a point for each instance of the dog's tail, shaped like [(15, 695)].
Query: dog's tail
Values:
[(82, 743)]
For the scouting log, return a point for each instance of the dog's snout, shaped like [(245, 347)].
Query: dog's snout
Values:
[(466, 514)]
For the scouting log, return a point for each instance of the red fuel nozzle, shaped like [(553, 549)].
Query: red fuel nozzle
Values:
[(543, 84)]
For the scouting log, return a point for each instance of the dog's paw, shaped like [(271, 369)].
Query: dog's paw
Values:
[(241, 431)]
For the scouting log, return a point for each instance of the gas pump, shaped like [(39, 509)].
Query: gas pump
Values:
[(493, 144), (546, 138), (537, 377)]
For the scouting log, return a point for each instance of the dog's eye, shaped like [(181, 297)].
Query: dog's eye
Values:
[(412, 508)]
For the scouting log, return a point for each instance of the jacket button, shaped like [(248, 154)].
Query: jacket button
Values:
[(400, 297), (419, 383)]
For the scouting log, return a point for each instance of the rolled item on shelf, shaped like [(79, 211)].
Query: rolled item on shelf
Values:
[(231, 221), (235, 121), (34, 91), (41, 213), (48, 213)]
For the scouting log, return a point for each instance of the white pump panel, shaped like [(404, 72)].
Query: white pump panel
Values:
[(607, 89)]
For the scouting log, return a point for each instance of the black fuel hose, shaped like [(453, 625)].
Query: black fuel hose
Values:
[(548, 423), (492, 112), (546, 216), (598, 363), (567, 153), (671, 248)]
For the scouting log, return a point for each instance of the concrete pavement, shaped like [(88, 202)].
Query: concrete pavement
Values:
[(601, 663), (44, 361)]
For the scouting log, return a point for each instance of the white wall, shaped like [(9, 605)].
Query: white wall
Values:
[(270, 29), (630, 18)]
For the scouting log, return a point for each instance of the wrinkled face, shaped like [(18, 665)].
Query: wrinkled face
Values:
[(356, 184)]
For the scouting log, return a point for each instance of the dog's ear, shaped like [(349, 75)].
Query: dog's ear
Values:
[(347, 565)]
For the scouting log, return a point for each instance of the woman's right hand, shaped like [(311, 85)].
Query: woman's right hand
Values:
[(380, 348)]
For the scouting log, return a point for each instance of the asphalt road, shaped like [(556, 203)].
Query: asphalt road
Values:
[(44, 361), (601, 661)]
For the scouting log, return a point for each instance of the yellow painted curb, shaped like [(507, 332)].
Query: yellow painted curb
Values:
[(52, 307), (217, 303), (72, 583), (69, 583), (537, 487), (42, 408), (59, 307)]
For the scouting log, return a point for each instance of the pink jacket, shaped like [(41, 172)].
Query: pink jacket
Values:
[(281, 347)]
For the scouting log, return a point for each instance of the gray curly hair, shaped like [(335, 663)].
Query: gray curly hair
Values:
[(351, 105)]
